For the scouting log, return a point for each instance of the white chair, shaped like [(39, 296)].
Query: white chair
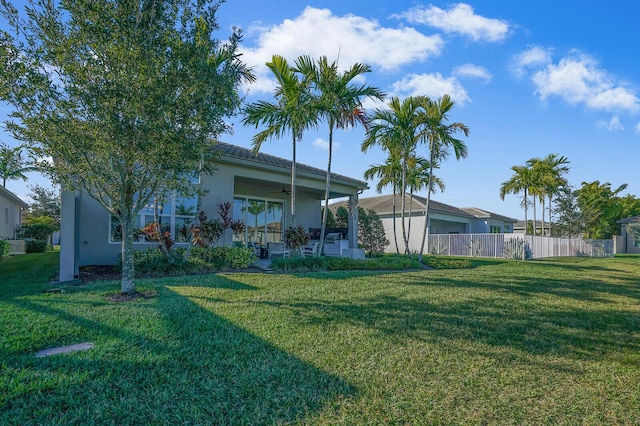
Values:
[(277, 249), (311, 250)]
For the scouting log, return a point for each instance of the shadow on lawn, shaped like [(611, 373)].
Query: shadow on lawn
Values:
[(188, 365), (523, 325)]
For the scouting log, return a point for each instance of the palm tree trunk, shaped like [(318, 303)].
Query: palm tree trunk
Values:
[(526, 208), (293, 185), (404, 203), (535, 223), (395, 233), (426, 208), (542, 202), (323, 226), (550, 214)]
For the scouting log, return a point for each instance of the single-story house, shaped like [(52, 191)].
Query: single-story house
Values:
[(624, 242), (258, 185), (11, 207), (443, 218)]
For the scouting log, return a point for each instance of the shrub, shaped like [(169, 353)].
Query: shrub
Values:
[(446, 263), (4, 248), (239, 257), (35, 246), (296, 237), (309, 264), (37, 231)]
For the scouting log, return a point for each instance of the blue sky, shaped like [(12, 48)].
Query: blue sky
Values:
[(528, 78)]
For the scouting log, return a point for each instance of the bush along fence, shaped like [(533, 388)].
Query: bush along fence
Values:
[(516, 246)]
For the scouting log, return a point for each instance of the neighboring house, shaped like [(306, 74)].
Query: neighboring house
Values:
[(443, 219), (519, 227), (11, 207), (258, 185), (625, 242)]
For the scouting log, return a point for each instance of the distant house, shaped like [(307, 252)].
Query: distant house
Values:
[(625, 242), (11, 207), (443, 218), (519, 226), (258, 186)]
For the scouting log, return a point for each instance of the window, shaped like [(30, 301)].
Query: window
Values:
[(263, 219), (6, 216), (175, 215), (493, 229)]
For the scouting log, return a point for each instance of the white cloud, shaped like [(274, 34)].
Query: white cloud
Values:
[(459, 18), (432, 85), (473, 71), (613, 125), (579, 81), (324, 144), (317, 32), (534, 57)]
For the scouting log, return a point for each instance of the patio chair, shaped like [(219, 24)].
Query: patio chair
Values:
[(277, 249), (311, 250)]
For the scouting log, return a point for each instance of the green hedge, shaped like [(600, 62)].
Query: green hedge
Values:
[(35, 246), (5, 247)]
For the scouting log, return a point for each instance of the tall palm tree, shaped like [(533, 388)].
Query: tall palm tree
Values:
[(12, 165), (519, 182), (340, 101), (438, 135), (294, 111), (418, 169), (388, 175), (394, 129), (537, 189), (555, 182)]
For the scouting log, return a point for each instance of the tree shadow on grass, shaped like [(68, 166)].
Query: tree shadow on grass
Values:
[(184, 365)]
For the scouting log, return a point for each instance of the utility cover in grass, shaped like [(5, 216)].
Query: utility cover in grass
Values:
[(65, 349)]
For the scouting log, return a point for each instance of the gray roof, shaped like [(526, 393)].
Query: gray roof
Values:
[(12, 197), (383, 204), (484, 214), (237, 152), (633, 219)]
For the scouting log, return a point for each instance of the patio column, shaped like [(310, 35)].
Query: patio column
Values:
[(353, 221), (68, 229)]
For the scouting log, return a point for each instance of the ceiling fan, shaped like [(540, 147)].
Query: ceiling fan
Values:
[(282, 191)]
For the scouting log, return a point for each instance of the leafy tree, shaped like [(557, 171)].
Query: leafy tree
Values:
[(125, 96), (342, 217), (371, 235), (39, 228), (12, 165), (570, 221), (294, 111), (339, 99), (633, 229), (46, 202), (438, 135), (601, 208)]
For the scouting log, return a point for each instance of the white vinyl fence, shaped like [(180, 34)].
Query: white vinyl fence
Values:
[(512, 246)]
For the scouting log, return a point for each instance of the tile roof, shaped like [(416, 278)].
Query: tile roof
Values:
[(237, 152)]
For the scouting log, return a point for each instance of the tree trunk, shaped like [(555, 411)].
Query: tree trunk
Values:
[(542, 201), (323, 226), (550, 215), (293, 185), (395, 233), (426, 208), (403, 204), (127, 222), (535, 224), (526, 208)]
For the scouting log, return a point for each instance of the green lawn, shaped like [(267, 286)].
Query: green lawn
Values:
[(538, 342)]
